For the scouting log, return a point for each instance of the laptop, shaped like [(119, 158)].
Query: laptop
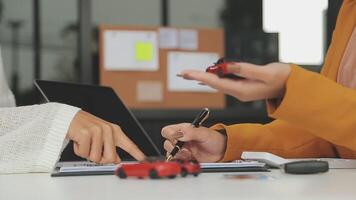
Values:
[(102, 102)]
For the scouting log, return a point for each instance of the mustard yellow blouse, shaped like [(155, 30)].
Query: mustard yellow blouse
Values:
[(317, 116)]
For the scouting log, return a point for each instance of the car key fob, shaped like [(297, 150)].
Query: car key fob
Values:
[(306, 167)]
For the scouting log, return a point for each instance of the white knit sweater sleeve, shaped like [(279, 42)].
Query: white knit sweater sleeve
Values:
[(31, 137), (7, 99)]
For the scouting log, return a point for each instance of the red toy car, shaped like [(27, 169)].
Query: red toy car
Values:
[(220, 68), (189, 167), (150, 168)]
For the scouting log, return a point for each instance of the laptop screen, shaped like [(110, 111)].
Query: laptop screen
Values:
[(101, 102)]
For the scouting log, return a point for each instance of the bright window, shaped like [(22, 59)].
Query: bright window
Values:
[(301, 28)]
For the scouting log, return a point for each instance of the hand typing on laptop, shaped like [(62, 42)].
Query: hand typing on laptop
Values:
[(96, 139)]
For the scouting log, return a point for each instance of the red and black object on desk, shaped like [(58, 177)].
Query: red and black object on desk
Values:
[(220, 68), (157, 168), (189, 167)]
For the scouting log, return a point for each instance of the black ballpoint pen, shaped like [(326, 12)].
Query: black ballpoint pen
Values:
[(198, 120)]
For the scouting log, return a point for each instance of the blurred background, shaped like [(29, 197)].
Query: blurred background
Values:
[(58, 40)]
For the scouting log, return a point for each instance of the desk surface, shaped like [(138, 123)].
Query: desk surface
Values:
[(336, 184)]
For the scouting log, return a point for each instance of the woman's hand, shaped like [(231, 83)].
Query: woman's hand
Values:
[(201, 144), (96, 139), (261, 82)]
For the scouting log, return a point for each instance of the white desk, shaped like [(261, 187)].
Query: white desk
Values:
[(336, 184)]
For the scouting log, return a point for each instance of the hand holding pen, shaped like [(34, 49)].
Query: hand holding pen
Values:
[(201, 144), (198, 120)]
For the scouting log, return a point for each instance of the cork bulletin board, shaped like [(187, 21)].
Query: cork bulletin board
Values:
[(149, 89)]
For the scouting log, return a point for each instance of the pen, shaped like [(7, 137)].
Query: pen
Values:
[(198, 120)]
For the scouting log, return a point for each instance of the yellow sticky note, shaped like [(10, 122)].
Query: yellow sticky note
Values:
[(144, 51)]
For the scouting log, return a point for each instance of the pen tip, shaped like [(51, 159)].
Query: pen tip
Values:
[(169, 158)]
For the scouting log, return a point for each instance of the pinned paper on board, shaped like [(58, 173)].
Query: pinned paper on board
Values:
[(179, 61), (188, 39), (168, 38), (144, 51), (149, 91), (131, 50)]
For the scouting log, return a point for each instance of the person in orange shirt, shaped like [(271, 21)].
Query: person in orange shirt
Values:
[(315, 114)]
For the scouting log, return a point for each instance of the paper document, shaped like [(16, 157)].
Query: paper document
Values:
[(233, 164), (131, 50), (106, 168), (149, 91), (168, 38), (179, 61), (188, 39)]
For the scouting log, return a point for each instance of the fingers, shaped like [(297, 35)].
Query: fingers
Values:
[(246, 70), (126, 144), (201, 76), (185, 132), (261, 82), (82, 144), (184, 154), (168, 146), (109, 153), (96, 145), (244, 90), (172, 132), (118, 138), (222, 84), (96, 139), (250, 71)]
